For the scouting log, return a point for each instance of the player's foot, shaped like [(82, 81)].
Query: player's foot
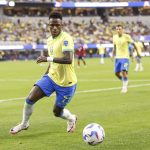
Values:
[(72, 124), (18, 128), (141, 69), (124, 90)]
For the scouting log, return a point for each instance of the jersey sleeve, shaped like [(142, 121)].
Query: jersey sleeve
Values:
[(129, 39), (114, 40), (141, 45), (68, 44)]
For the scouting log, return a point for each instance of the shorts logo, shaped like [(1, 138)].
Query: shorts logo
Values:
[(126, 65), (66, 43), (66, 99)]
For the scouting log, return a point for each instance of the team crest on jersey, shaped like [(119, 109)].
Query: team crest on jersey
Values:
[(66, 43)]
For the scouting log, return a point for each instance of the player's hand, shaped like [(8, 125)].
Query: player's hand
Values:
[(41, 59)]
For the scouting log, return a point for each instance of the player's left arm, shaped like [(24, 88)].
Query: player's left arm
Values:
[(142, 46), (66, 59), (135, 48)]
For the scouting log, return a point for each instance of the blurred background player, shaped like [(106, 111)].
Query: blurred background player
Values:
[(121, 43), (101, 52), (140, 48), (80, 53)]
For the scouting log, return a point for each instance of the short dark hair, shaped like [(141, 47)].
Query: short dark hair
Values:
[(119, 25), (55, 15)]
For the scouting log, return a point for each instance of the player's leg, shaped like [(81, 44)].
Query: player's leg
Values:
[(124, 68), (124, 81), (63, 97), (78, 65), (102, 58), (35, 94), (42, 88), (83, 60), (67, 115), (117, 69), (140, 64), (137, 63)]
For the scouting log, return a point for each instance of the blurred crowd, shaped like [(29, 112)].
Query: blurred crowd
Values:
[(44, 11), (89, 31), (18, 55)]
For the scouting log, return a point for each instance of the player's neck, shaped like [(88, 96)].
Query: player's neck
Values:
[(120, 35), (57, 35)]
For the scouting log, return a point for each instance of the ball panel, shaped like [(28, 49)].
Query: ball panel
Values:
[(93, 134)]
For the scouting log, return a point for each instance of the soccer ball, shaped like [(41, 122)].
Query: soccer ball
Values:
[(93, 134)]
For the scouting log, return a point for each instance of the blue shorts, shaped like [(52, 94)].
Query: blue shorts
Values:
[(121, 64), (63, 94), (138, 59), (101, 55)]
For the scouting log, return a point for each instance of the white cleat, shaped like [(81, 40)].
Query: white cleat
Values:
[(72, 125), (141, 69), (124, 90), (18, 128)]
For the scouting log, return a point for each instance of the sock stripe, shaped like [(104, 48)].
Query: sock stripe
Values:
[(125, 78), (29, 102)]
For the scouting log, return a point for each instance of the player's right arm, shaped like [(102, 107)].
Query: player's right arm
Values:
[(114, 48), (113, 52), (135, 48)]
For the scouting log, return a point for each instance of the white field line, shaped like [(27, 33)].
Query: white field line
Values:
[(85, 91), (109, 80)]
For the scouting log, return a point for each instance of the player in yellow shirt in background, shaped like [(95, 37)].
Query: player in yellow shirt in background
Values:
[(140, 48), (101, 52), (121, 43), (60, 76)]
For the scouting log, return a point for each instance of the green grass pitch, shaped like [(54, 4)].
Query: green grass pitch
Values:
[(125, 117)]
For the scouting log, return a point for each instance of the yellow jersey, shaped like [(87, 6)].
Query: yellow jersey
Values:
[(122, 45), (101, 49), (62, 74), (139, 47)]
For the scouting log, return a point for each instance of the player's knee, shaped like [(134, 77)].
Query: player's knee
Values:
[(57, 112), (117, 74)]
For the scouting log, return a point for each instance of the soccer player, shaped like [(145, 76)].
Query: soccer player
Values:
[(60, 76), (121, 43), (140, 48), (81, 53), (101, 52)]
